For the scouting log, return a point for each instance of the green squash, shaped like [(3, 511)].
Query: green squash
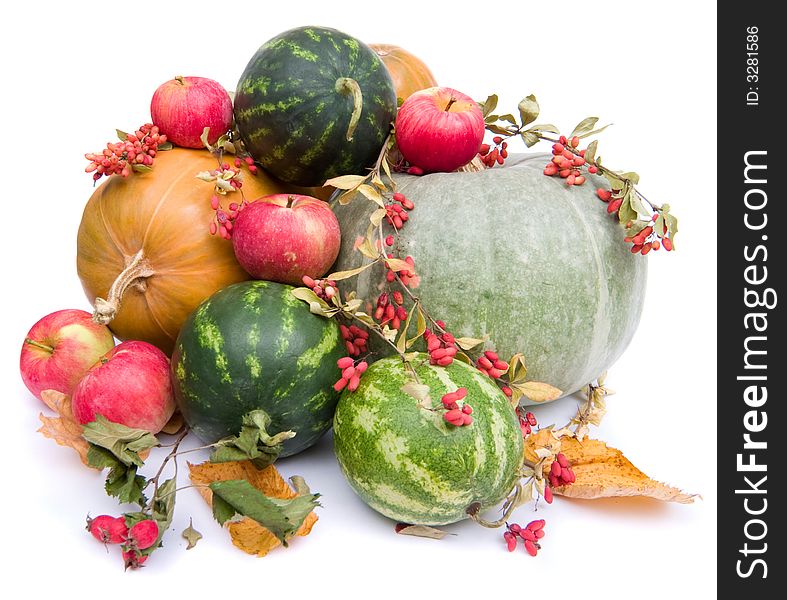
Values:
[(537, 266), (314, 103)]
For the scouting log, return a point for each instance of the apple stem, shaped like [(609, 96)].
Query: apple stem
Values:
[(348, 85), (136, 272), (290, 201), (179, 79), (49, 349), (450, 103)]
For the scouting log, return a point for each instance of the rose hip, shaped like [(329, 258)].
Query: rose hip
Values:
[(108, 529)]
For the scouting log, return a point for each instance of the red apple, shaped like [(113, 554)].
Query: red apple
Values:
[(129, 385), (184, 106), (439, 129), (286, 236), (60, 348)]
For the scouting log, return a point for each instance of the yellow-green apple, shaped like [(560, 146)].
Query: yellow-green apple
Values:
[(182, 107), (129, 385), (439, 129), (286, 236), (60, 348)]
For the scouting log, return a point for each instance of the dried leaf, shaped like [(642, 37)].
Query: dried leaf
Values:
[(247, 534), (345, 182), (517, 371), (397, 264), (528, 109), (377, 216), (191, 535), (595, 131), (423, 531), (488, 105), (372, 194), (538, 441), (604, 472), (537, 391), (467, 343), (339, 275), (419, 391), (530, 138), (63, 429), (584, 126), (590, 151)]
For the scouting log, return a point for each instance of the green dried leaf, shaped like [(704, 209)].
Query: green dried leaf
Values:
[(124, 483), (123, 442), (253, 443), (530, 139), (508, 118), (401, 344), (626, 212), (307, 295), (545, 128), (528, 109), (347, 196), (122, 135), (420, 325), (590, 151), (223, 511), (537, 391), (191, 535), (498, 129), (424, 531), (339, 275), (632, 177), (672, 224), (164, 146), (488, 105), (138, 168), (614, 182), (594, 132), (367, 249), (468, 343), (584, 126), (396, 264), (281, 517), (516, 368)]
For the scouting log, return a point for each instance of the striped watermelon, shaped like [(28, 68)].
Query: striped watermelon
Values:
[(253, 345), (295, 105), (407, 463)]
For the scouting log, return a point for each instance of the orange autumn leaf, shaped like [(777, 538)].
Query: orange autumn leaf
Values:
[(604, 472), (63, 429), (247, 534)]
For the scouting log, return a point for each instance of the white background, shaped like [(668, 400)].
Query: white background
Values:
[(74, 71)]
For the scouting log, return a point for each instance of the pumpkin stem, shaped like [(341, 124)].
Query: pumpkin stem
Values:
[(348, 85), (49, 349), (136, 271)]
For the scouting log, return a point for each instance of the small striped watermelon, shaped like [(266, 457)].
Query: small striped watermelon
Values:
[(250, 346), (407, 463), (314, 103)]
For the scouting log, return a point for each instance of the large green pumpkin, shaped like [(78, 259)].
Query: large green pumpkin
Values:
[(254, 346), (314, 103), (536, 265)]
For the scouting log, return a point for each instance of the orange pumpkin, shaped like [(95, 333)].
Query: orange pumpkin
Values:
[(409, 73), (145, 255)]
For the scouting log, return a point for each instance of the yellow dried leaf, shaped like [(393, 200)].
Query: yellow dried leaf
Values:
[(537, 391), (604, 472), (63, 429), (247, 534), (541, 443)]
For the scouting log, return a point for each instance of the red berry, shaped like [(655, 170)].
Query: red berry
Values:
[(467, 409), (107, 529), (656, 245), (348, 372), (558, 148), (593, 169), (548, 495), (345, 362), (355, 381), (575, 141), (143, 535), (531, 419), (454, 415), (491, 355), (484, 149), (531, 548), (510, 541), (667, 242), (527, 535), (536, 525), (555, 469), (507, 391), (361, 367), (467, 420), (605, 195), (485, 362), (415, 171), (562, 460), (445, 361), (340, 385), (497, 139)]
